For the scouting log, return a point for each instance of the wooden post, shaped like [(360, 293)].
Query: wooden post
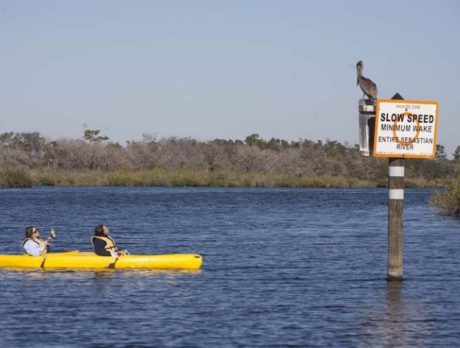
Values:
[(395, 218), (396, 168)]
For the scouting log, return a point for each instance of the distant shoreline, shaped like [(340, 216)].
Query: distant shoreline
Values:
[(29, 159)]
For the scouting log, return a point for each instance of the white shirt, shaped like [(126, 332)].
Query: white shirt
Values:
[(33, 248)]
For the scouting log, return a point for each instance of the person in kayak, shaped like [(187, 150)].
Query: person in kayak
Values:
[(33, 244), (103, 244)]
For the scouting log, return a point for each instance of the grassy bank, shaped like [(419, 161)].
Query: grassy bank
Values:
[(448, 200), (186, 177), (181, 178), (17, 178)]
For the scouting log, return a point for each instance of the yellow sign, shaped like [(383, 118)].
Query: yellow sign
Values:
[(406, 128)]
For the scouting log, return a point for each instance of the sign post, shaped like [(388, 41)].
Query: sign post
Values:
[(403, 129), (396, 167)]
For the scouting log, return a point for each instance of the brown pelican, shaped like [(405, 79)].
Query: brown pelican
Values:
[(368, 87)]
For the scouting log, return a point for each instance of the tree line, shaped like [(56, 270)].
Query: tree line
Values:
[(253, 155)]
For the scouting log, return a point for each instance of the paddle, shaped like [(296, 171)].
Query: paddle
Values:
[(116, 256), (51, 236)]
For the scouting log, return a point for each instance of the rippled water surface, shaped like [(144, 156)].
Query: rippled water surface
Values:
[(282, 267)]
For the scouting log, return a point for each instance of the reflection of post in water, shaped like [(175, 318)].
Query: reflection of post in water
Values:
[(394, 322), (393, 298), (385, 325)]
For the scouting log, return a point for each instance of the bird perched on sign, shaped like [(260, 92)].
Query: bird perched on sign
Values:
[(368, 87)]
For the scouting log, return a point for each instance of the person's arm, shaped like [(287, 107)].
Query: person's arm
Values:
[(32, 248), (99, 247)]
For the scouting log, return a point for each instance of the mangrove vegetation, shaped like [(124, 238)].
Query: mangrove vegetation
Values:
[(447, 201), (28, 159)]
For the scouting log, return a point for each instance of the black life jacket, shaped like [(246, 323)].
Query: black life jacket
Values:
[(109, 242)]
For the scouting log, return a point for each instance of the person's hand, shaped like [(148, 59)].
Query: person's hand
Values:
[(122, 252)]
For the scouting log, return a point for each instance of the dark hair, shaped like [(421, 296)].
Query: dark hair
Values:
[(30, 231), (99, 230)]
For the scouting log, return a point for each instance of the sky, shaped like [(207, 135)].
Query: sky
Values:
[(221, 69)]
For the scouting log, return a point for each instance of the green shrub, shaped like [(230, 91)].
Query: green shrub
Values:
[(45, 181), (448, 200)]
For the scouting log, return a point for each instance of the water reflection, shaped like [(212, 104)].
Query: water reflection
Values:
[(70, 274), (398, 321), (394, 323)]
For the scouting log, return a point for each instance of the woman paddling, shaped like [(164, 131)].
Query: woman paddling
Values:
[(33, 244), (103, 244)]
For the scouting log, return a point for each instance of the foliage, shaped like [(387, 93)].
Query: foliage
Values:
[(456, 154), (92, 135), (220, 162), (448, 200), (17, 178), (441, 152)]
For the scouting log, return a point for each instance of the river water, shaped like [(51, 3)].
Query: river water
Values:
[(282, 267)]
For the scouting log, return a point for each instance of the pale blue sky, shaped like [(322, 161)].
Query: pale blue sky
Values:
[(221, 69)]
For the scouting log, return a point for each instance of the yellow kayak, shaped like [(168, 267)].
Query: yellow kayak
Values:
[(89, 260)]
